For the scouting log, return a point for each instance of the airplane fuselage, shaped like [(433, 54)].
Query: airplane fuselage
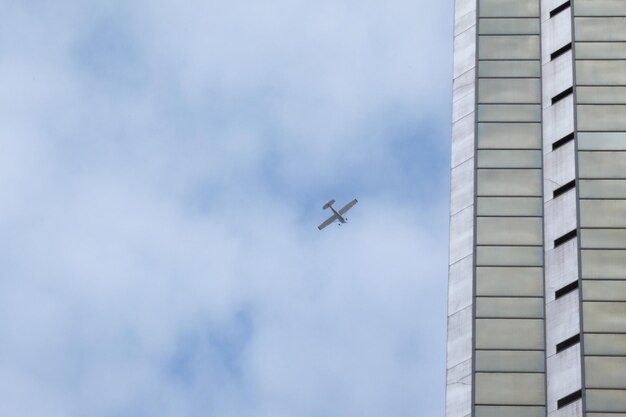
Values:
[(339, 216)]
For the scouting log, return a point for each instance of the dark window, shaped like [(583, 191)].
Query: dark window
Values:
[(569, 342), (567, 236), (562, 95), (560, 51), (562, 141), (564, 188), (568, 399), (560, 8), (566, 289)]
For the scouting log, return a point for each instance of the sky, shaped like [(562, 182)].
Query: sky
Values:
[(163, 167)]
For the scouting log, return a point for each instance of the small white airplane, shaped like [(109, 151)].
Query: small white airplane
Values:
[(337, 215)]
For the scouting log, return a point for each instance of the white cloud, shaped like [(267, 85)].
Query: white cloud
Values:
[(159, 164)]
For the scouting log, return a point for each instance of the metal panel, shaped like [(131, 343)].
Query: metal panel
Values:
[(460, 279), (558, 121), (559, 168), (557, 76), (459, 337), (462, 187), (555, 33), (564, 375), (562, 320), (560, 217), (465, 51), (459, 389), (463, 106), (463, 140), (462, 230), (561, 267)]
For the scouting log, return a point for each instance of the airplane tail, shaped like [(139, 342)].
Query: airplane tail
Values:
[(331, 202)]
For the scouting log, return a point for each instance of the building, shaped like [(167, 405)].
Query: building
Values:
[(537, 277)]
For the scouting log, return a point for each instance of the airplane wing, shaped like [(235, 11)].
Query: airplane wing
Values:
[(348, 206), (328, 221)]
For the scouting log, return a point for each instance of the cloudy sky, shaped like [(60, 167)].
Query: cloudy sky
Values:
[(163, 166)]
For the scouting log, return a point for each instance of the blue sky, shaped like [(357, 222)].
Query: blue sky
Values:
[(163, 168)]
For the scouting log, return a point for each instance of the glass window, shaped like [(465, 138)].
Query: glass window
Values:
[(509, 90), (509, 159), (603, 372), (508, 47), (509, 206), (603, 264), (600, 72), (509, 182), (600, 8), (605, 344), (506, 334), (509, 307), (508, 69), (604, 317), (600, 28), (509, 231), (509, 8), (509, 113), (602, 164), (602, 188), (601, 117), (510, 411), (509, 256), (606, 400), (597, 290), (603, 238), (601, 95), (517, 388), (599, 141), (603, 213), (508, 26), (509, 281), (509, 135), (510, 361), (600, 50)]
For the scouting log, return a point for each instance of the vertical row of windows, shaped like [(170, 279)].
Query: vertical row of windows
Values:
[(600, 47), (509, 308)]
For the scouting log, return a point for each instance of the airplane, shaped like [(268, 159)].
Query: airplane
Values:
[(337, 215)]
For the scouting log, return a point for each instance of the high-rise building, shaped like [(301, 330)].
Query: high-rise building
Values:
[(537, 276)]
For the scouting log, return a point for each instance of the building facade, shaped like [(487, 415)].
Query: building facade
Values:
[(537, 267)]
